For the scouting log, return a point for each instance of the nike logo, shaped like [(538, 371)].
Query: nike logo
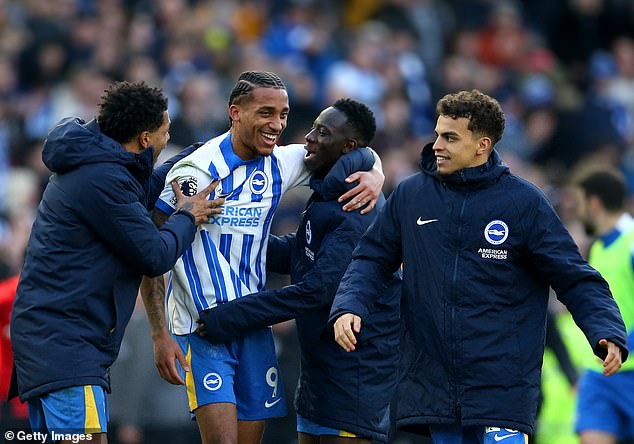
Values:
[(500, 438), (423, 222), (268, 404)]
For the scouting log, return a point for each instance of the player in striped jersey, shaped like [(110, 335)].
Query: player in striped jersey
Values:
[(234, 387)]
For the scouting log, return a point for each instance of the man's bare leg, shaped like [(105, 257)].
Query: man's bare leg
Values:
[(305, 438), (250, 432), (218, 423)]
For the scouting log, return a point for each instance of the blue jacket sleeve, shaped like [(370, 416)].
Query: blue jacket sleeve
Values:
[(121, 220), (376, 258), (580, 287), (278, 253), (316, 289), (157, 181)]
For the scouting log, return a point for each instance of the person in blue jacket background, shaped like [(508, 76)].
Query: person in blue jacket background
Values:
[(340, 397), (91, 243), (479, 248)]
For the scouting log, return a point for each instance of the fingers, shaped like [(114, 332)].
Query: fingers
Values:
[(370, 206), (166, 353), (361, 196), (356, 324), (168, 371), (343, 331), (365, 195), (612, 362), (351, 193), (353, 177), (201, 330), (216, 204), (208, 189), (176, 188)]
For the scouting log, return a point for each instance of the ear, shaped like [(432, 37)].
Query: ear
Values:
[(595, 204), (144, 139), (350, 145), (484, 146), (234, 113)]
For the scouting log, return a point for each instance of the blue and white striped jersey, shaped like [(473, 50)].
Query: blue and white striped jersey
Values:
[(227, 259)]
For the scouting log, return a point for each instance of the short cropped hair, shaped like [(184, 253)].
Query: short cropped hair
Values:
[(605, 182), (360, 118), (127, 109), (485, 114)]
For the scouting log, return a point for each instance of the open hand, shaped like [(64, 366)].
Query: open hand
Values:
[(366, 193), (199, 205)]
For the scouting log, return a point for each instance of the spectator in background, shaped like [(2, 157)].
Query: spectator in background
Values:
[(605, 419), (13, 413), (198, 117)]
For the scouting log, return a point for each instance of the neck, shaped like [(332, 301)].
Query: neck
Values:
[(239, 148), (607, 221), (132, 147)]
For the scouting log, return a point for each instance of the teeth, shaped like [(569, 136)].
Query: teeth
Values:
[(269, 136)]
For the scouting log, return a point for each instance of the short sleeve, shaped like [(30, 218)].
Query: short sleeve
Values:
[(291, 162)]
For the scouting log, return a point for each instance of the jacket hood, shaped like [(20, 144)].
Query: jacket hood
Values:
[(490, 171), (334, 184), (73, 143)]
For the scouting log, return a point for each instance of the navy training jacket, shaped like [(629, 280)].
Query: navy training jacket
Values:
[(346, 391), (479, 250), (91, 243)]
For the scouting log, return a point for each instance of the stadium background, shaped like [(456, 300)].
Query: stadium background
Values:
[(563, 71)]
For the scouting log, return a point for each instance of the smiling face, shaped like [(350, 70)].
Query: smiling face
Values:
[(258, 122), (457, 147), (328, 139)]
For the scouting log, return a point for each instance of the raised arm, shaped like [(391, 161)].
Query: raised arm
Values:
[(115, 213)]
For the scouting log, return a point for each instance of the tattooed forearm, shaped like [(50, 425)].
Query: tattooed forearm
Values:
[(152, 293)]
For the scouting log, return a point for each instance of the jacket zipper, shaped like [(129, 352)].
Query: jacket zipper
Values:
[(453, 308)]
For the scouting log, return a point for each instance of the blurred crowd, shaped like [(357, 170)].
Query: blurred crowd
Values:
[(563, 71)]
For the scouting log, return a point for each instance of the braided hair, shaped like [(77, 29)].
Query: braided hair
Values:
[(250, 80), (360, 118)]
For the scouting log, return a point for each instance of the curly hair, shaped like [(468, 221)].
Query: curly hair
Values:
[(360, 118), (249, 80), (484, 112), (127, 109)]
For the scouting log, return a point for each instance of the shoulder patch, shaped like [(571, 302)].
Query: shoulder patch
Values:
[(189, 186)]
